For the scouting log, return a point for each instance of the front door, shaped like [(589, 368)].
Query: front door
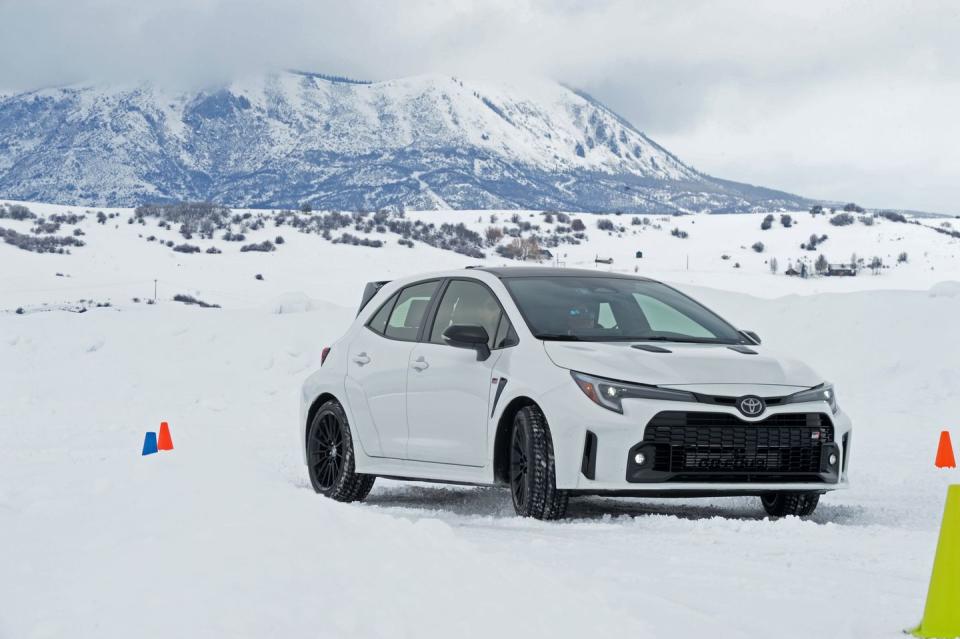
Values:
[(448, 390)]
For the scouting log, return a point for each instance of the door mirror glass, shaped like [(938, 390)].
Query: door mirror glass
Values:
[(469, 336)]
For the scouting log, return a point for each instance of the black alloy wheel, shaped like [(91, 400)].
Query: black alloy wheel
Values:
[(325, 451), (330, 456)]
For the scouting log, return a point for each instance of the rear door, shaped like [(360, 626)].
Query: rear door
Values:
[(377, 370), (448, 390)]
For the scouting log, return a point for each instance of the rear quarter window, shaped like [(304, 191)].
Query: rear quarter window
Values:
[(378, 324)]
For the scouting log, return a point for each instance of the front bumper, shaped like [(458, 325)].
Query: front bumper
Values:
[(596, 449)]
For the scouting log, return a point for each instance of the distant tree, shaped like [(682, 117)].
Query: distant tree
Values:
[(264, 247), (767, 223), (605, 224), (306, 208), (786, 220), (816, 209), (494, 234), (774, 265), (758, 247), (577, 225), (902, 258), (678, 233), (894, 216), (876, 264), (821, 265)]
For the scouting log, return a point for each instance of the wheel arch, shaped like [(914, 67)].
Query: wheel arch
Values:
[(501, 441)]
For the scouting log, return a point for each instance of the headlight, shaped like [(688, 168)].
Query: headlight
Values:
[(609, 393), (821, 393)]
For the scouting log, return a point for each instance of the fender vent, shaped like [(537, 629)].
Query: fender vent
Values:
[(589, 464)]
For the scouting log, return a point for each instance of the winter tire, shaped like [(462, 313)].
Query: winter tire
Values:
[(330, 458), (790, 504), (533, 477)]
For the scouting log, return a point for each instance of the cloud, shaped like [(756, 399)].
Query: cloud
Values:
[(845, 100)]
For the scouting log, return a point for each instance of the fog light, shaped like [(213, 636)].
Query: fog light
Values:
[(639, 458), (832, 459)]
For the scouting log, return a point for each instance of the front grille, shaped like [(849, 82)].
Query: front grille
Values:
[(707, 446)]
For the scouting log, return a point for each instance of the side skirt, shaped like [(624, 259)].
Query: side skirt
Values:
[(424, 471)]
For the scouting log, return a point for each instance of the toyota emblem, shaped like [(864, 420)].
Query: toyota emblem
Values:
[(751, 405)]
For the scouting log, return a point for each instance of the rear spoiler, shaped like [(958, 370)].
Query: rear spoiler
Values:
[(369, 291)]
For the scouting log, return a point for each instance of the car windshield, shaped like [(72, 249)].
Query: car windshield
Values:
[(602, 309)]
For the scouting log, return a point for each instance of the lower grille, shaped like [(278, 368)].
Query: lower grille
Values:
[(715, 446)]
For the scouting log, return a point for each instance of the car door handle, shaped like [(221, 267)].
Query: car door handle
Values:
[(420, 364), (361, 358)]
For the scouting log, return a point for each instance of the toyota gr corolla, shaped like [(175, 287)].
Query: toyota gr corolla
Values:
[(560, 383)]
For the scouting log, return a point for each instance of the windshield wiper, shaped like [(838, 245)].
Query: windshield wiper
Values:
[(677, 340)]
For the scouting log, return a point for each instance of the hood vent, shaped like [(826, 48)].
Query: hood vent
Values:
[(650, 348)]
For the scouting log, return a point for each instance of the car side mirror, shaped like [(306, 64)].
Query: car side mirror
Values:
[(469, 336), (750, 335)]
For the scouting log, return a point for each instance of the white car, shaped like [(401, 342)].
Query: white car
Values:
[(561, 383)]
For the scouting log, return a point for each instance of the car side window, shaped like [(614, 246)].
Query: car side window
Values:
[(379, 322), (469, 303), (409, 311)]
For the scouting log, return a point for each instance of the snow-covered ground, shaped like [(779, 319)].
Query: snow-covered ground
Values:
[(224, 537)]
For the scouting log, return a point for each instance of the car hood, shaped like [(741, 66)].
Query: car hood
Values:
[(685, 364)]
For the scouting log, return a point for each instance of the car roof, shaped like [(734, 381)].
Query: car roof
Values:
[(505, 272)]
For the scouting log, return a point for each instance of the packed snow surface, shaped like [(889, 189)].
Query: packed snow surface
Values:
[(223, 536)]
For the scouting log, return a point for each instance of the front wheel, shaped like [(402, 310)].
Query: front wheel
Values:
[(330, 457), (790, 504), (533, 477)]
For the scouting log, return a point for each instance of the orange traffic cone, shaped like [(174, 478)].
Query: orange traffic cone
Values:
[(944, 452), (164, 441)]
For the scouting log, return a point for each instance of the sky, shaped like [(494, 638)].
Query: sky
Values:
[(850, 101)]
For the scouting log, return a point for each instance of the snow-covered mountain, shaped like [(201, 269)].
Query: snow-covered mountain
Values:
[(283, 139)]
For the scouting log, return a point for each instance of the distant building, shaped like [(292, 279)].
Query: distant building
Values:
[(545, 254), (842, 270), (792, 272)]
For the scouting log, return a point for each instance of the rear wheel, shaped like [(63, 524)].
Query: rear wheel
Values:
[(330, 457), (533, 477), (790, 504)]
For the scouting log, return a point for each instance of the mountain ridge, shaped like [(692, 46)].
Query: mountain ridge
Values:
[(284, 139)]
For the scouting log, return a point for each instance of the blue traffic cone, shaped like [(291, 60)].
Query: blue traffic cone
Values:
[(149, 443)]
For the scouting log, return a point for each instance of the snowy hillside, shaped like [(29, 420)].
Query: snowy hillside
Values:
[(224, 536), (322, 254), (426, 142)]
